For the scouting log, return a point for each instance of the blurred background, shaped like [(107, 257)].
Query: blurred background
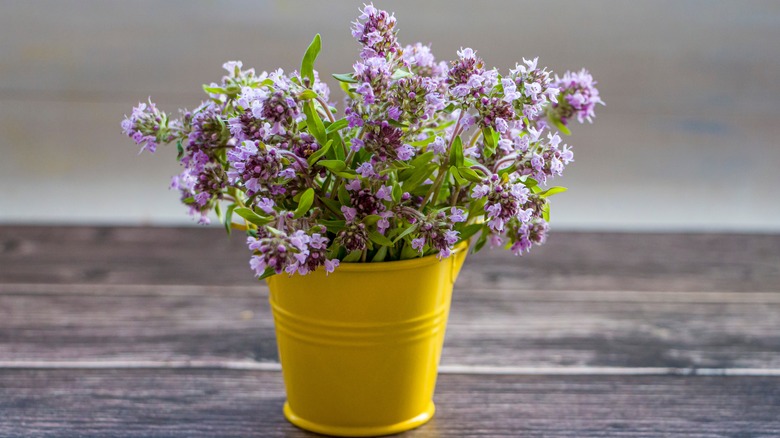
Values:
[(688, 139)]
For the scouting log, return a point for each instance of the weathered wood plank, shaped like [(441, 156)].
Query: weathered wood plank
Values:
[(569, 261), (486, 327), (146, 403)]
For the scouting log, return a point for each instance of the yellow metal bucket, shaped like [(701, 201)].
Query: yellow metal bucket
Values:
[(360, 348)]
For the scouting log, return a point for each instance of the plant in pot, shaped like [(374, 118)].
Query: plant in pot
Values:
[(360, 221)]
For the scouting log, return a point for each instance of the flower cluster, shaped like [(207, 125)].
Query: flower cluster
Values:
[(428, 153)]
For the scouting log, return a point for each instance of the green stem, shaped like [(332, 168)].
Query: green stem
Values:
[(434, 190), (326, 108)]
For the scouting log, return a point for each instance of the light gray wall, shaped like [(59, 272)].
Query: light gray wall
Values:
[(689, 139)]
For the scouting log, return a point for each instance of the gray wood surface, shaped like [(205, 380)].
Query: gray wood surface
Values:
[(195, 403), (163, 332)]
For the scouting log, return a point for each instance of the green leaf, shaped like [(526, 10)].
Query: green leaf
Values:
[(307, 95), (455, 174), (424, 142), (477, 207), (419, 175), (397, 124), (561, 127), (252, 217), (307, 65), (456, 153), (397, 192), (469, 230), (354, 256), (480, 242), (349, 174), (507, 170), (304, 204), (333, 165), (320, 152), (229, 218), (218, 211), (337, 125), (379, 239), (267, 273), (371, 219), (552, 191), (333, 226), (343, 195), (546, 212), (214, 90), (332, 204), (470, 174), (406, 232), (179, 150), (314, 123), (529, 182), (415, 164), (490, 138), (346, 77), (380, 255), (401, 73)]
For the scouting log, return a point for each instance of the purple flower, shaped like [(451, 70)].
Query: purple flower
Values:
[(418, 243), (266, 205), (394, 113), (405, 152), (353, 184), (385, 193), (383, 223), (528, 234), (206, 133), (438, 145), (353, 237), (253, 165), (354, 119), (480, 191), (367, 92), (331, 265), (349, 213), (366, 170), (456, 215), (375, 30), (146, 126), (578, 97), (357, 145)]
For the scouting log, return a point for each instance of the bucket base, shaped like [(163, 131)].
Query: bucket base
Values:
[(390, 429)]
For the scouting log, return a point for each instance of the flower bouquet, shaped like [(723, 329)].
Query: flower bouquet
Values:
[(425, 157)]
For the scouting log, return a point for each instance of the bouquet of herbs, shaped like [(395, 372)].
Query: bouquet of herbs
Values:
[(426, 155)]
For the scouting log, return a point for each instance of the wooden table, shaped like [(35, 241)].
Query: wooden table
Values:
[(163, 332)]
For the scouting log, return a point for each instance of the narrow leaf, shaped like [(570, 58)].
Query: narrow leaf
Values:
[(379, 239), (304, 204), (314, 123), (337, 125), (267, 273), (307, 65), (252, 217), (320, 152), (346, 77), (333, 165), (406, 232), (552, 191)]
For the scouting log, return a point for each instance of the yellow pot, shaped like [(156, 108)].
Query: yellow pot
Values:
[(360, 348)]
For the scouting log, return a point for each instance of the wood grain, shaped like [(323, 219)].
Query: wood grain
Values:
[(569, 261), (156, 403), (580, 301), (486, 327)]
